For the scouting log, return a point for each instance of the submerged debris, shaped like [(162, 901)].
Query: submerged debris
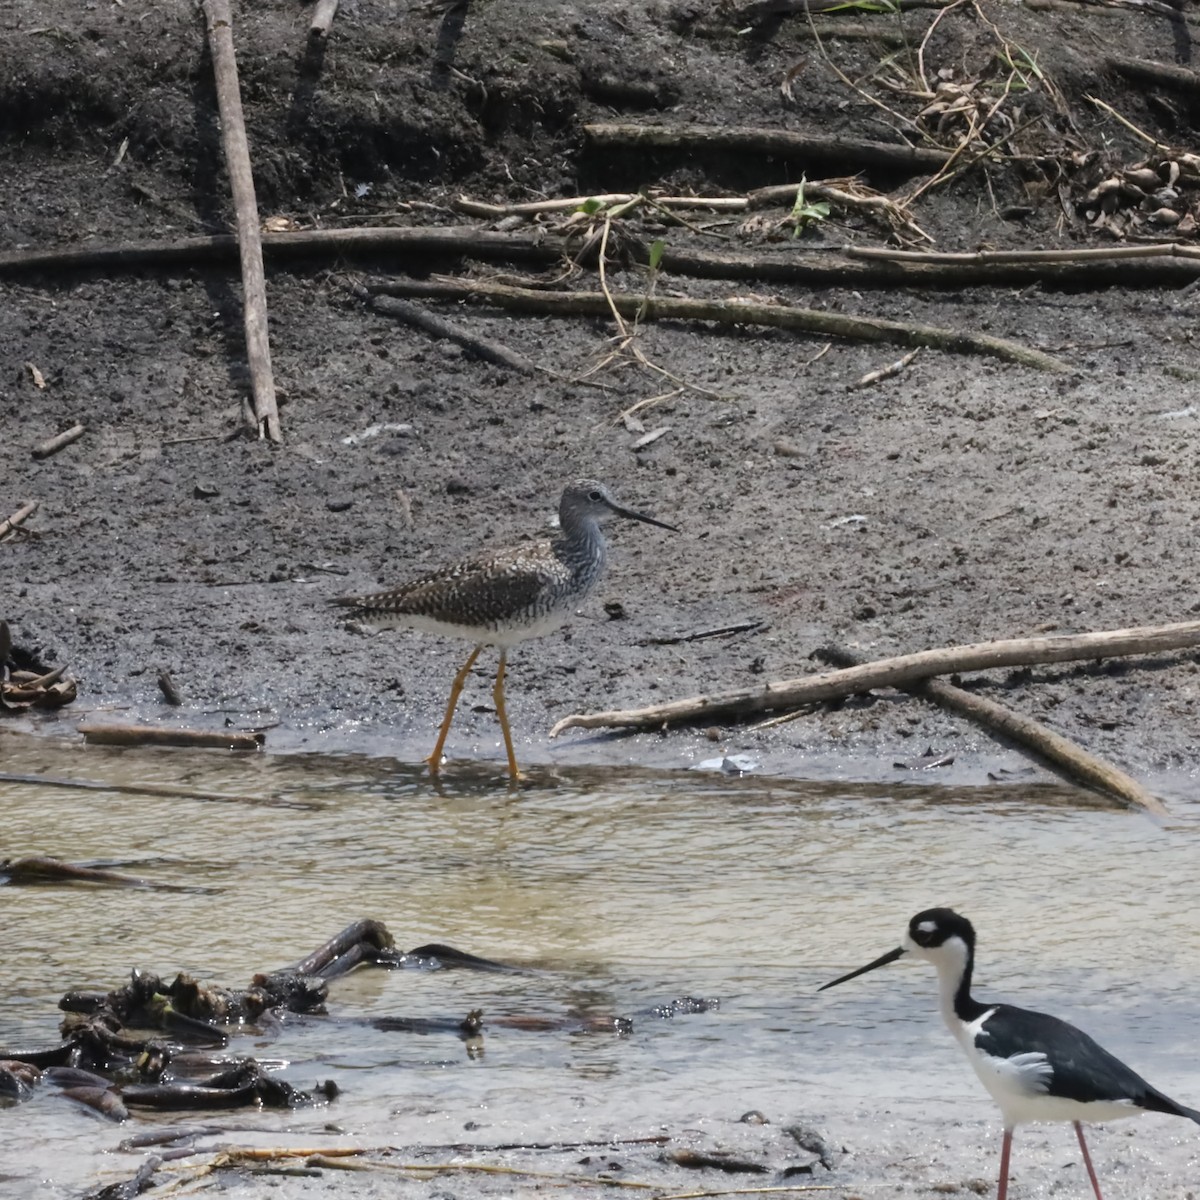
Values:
[(179, 1065), (25, 682)]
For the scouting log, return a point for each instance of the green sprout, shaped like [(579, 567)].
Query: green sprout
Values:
[(805, 213)]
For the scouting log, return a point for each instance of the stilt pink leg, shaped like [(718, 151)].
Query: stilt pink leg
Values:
[(435, 759), (498, 695), (1087, 1161), (1005, 1151)]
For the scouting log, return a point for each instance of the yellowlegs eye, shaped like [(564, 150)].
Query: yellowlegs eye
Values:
[(595, 497)]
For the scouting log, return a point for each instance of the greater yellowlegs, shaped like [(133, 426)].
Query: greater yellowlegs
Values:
[(1036, 1067), (503, 597)]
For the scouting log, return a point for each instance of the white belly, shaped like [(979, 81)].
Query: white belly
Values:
[(504, 639), (1018, 1085)]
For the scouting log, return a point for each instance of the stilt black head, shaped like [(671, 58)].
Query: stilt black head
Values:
[(936, 926), (927, 933)]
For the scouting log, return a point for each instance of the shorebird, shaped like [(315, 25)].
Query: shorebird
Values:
[(504, 597), (1037, 1067)]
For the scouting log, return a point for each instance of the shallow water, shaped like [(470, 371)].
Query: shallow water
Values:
[(619, 891)]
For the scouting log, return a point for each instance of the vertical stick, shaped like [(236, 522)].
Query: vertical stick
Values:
[(237, 159), (322, 19)]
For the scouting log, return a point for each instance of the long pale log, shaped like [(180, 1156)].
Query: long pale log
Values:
[(241, 180), (896, 672), (1060, 753), (734, 311)]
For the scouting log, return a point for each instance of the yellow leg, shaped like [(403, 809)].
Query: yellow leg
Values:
[(502, 713), (435, 759)]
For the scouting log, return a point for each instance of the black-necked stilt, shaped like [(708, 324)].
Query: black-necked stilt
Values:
[(1036, 1067), (504, 597)]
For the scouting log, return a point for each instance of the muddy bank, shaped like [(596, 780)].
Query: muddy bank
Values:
[(966, 498)]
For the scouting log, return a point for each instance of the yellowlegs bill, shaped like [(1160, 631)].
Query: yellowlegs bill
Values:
[(504, 597)]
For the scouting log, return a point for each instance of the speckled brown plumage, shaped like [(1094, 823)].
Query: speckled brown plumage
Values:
[(503, 597)]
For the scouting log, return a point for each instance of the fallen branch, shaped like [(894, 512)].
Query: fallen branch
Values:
[(784, 8), (53, 445), (439, 327), (1113, 9), (1143, 70), (145, 735), (733, 311), (1122, 254), (897, 672), (699, 141), (1169, 264), (1059, 752), (18, 518), (241, 180), (368, 241)]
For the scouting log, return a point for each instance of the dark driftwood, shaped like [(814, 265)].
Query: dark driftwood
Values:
[(727, 312), (1143, 70), (857, 267), (142, 735), (439, 327), (241, 179), (852, 153), (371, 241), (896, 672), (36, 868), (1065, 756), (169, 689)]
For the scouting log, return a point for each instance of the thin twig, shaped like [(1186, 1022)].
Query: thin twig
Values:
[(1141, 133), (891, 369)]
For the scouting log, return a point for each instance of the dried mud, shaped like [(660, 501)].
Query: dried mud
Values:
[(964, 499)]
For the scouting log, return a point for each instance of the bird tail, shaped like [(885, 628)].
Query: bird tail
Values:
[(1157, 1102)]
